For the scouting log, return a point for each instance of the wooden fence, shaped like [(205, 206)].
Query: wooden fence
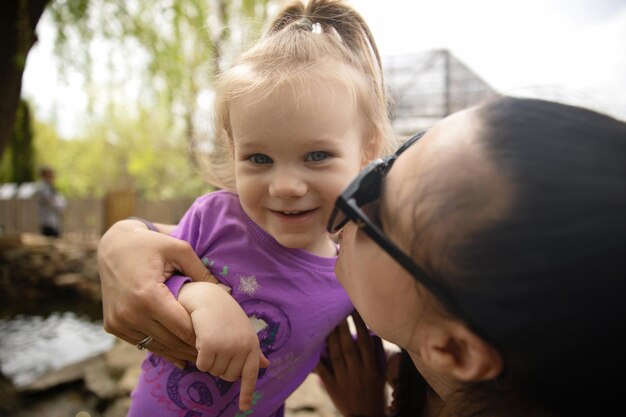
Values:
[(89, 218)]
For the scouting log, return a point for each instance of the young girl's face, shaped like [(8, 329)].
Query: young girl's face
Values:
[(295, 150)]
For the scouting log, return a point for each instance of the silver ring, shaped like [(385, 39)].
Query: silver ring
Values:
[(143, 343)]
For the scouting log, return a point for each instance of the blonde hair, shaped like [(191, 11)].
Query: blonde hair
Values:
[(305, 43)]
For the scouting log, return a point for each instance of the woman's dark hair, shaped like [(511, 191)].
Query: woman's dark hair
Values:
[(546, 282)]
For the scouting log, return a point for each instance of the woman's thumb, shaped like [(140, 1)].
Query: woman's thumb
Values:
[(191, 266)]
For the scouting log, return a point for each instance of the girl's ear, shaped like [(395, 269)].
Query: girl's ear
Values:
[(370, 150), (450, 348)]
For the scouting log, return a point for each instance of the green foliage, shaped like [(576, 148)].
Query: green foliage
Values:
[(5, 165), (121, 151), (19, 159), (174, 48), (48, 146), (182, 42)]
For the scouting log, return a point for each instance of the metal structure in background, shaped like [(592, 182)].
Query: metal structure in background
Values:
[(425, 87)]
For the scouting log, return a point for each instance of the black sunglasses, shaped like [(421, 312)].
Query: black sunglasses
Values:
[(366, 189)]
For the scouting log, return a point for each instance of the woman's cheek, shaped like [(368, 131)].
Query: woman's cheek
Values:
[(346, 265)]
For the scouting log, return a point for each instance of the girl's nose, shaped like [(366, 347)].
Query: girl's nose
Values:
[(287, 185)]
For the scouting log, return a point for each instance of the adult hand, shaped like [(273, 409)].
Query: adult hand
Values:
[(134, 263), (353, 374)]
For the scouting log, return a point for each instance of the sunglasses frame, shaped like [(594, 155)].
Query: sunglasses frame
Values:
[(366, 188)]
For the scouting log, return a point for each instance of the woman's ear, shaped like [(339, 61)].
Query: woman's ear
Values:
[(451, 348)]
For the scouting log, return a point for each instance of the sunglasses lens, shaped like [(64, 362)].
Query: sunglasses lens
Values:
[(338, 219), (363, 190), (369, 189), (372, 211)]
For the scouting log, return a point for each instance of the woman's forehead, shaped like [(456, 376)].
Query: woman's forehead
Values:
[(445, 186), (431, 173), (448, 144)]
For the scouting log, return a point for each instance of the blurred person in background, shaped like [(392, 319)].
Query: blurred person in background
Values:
[(50, 204)]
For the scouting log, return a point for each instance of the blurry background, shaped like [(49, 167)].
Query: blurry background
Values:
[(118, 93), (115, 96)]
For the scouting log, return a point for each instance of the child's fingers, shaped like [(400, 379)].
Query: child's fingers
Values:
[(234, 369), (249, 375), (220, 365), (264, 362), (205, 361)]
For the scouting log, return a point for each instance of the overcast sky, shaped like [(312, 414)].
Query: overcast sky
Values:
[(570, 50)]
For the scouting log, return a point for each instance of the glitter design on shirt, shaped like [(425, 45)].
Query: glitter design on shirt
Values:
[(248, 284)]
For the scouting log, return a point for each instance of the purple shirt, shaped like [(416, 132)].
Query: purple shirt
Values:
[(291, 292)]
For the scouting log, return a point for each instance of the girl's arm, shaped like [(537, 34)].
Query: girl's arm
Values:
[(228, 346)]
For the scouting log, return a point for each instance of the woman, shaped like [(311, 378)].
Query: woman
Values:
[(493, 253)]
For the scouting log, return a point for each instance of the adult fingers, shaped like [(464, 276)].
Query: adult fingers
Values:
[(170, 343), (366, 341), (171, 324), (158, 349), (350, 352), (361, 328), (181, 351), (325, 374), (186, 261), (134, 336), (335, 353)]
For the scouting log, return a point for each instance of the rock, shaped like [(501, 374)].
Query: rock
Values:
[(99, 381), (70, 278), (123, 355), (128, 382), (49, 271), (118, 409), (10, 241), (8, 395), (67, 401), (61, 376), (310, 399)]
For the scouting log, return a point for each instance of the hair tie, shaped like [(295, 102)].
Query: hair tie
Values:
[(305, 24)]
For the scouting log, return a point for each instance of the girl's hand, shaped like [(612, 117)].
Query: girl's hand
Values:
[(227, 343)]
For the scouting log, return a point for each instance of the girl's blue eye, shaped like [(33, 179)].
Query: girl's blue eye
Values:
[(260, 159), (317, 156)]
